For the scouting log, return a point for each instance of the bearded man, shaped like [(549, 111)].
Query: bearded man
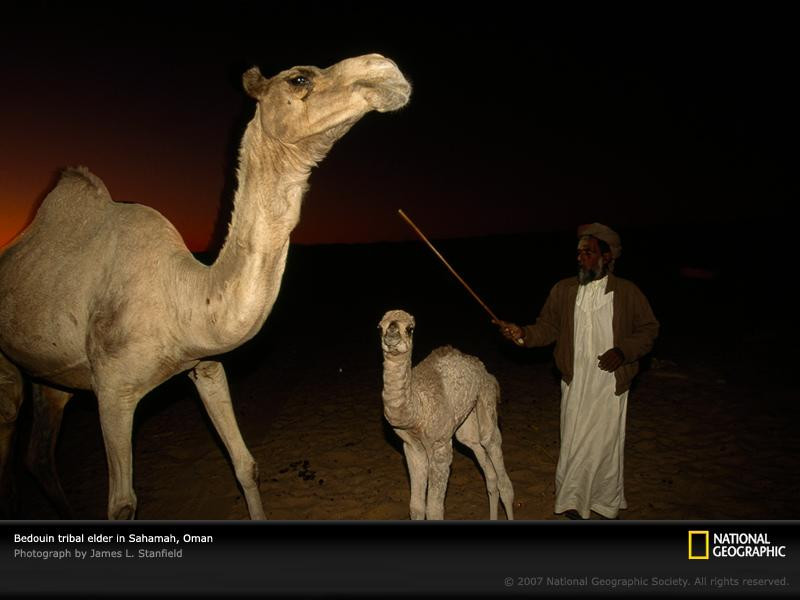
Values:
[(601, 325)]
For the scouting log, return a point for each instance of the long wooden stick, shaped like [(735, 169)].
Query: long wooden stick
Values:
[(446, 264)]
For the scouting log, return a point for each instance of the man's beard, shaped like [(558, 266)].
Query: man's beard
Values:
[(588, 275)]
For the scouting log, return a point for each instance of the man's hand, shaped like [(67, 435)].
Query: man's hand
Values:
[(511, 331), (611, 360)]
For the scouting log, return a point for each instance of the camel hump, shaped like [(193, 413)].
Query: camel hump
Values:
[(77, 192), (81, 180), (83, 176), (453, 356)]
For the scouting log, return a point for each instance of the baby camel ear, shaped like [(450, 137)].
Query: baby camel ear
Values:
[(255, 84)]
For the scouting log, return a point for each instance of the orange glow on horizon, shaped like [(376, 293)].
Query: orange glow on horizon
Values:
[(194, 212), (335, 210)]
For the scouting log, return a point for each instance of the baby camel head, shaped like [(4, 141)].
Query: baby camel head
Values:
[(309, 105), (396, 329)]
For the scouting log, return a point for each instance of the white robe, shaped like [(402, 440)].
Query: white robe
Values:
[(590, 464)]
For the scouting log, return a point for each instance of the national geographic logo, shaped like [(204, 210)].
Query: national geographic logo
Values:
[(698, 545), (702, 545)]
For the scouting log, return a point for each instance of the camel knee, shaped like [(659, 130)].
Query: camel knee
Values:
[(247, 474), (417, 509), (506, 491), (505, 486), (9, 408), (491, 482), (490, 435), (10, 397)]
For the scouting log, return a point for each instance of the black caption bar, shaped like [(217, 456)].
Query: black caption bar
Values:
[(301, 558)]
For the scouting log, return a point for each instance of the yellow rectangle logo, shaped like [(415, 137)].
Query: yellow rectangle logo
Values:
[(697, 535)]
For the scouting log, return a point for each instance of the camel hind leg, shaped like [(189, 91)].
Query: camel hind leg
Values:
[(491, 440), (10, 402), (469, 435), (48, 410)]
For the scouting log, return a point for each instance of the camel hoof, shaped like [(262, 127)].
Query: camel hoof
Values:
[(125, 513)]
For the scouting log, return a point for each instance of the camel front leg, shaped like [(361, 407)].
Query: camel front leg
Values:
[(212, 385), (10, 403), (438, 474), (116, 421), (417, 461), (48, 411)]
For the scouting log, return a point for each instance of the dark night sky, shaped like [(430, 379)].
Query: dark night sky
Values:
[(519, 122)]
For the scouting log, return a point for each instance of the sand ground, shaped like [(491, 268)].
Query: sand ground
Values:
[(711, 420), (697, 448)]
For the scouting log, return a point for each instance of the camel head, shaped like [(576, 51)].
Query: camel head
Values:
[(396, 329), (311, 108)]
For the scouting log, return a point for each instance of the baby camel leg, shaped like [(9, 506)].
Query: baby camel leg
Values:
[(212, 385), (417, 462), (48, 409), (495, 452), (469, 435), (438, 474), (491, 440)]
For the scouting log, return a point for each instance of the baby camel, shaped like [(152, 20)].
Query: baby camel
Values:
[(447, 393)]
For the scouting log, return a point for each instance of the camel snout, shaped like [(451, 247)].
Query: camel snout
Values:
[(392, 336), (384, 86)]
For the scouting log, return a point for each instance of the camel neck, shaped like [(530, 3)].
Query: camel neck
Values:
[(398, 403), (272, 178), (243, 283)]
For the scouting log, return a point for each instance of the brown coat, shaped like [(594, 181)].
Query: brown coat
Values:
[(635, 327)]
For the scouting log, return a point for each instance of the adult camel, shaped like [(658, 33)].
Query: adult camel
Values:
[(104, 296)]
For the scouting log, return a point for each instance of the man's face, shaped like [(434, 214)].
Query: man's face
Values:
[(591, 262)]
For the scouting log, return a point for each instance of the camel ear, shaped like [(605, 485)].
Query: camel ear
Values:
[(255, 84)]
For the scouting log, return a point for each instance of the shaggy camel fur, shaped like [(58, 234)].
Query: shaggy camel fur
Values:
[(105, 296), (447, 393)]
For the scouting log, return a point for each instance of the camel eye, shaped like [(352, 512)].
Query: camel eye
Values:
[(299, 81), (410, 329)]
